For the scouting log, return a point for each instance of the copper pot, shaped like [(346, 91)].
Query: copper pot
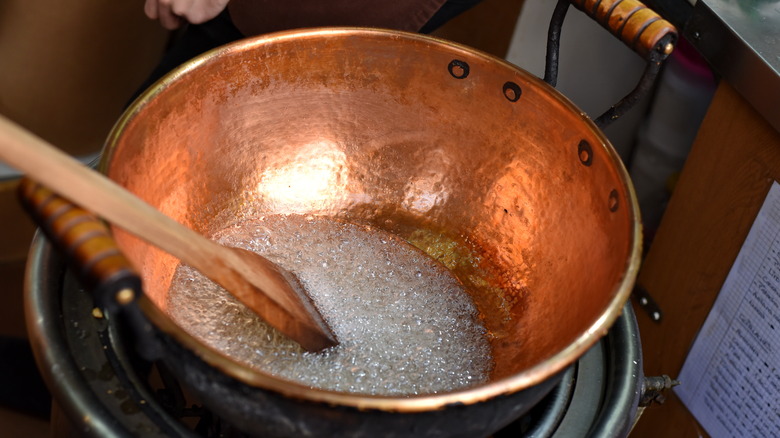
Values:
[(432, 141)]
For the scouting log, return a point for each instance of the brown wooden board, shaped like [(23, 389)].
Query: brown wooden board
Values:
[(732, 164)]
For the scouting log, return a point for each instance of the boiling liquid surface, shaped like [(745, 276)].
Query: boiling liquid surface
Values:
[(405, 325)]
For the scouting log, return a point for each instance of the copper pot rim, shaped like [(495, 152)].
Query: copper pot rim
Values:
[(529, 377)]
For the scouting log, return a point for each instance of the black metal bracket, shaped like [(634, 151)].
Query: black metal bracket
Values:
[(654, 61), (647, 303)]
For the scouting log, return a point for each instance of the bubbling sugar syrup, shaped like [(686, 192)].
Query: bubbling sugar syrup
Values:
[(405, 324)]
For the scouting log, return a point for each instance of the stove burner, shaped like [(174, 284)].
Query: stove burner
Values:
[(106, 389)]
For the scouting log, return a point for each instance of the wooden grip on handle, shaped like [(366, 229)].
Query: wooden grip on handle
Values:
[(85, 241), (639, 27)]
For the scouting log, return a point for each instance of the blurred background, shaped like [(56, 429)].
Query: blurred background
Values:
[(68, 69)]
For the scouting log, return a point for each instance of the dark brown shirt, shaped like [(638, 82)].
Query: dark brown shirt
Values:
[(253, 17)]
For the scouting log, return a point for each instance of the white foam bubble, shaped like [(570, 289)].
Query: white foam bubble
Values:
[(405, 325)]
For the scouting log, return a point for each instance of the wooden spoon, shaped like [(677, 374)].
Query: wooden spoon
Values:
[(273, 293)]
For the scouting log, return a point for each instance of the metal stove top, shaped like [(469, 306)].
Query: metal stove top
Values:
[(105, 389)]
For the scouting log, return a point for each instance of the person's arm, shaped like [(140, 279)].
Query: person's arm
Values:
[(170, 13)]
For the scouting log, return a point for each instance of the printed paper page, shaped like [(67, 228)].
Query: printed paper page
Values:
[(730, 381)]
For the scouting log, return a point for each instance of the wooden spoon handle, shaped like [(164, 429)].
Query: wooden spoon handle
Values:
[(95, 192), (266, 288)]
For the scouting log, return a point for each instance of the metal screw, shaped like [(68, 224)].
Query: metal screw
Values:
[(653, 389)]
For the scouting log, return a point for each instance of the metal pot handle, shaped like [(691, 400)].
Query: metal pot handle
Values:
[(87, 243), (638, 26), (92, 253)]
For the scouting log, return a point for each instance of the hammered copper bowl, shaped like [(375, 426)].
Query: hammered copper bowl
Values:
[(435, 142)]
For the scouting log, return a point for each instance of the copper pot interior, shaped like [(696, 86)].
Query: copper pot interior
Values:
[(530, 202)]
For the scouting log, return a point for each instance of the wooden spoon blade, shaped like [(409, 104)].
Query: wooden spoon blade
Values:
[(277, 296)]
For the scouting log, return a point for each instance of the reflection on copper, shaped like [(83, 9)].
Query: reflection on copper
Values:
[(424, 193), (312, 180)]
